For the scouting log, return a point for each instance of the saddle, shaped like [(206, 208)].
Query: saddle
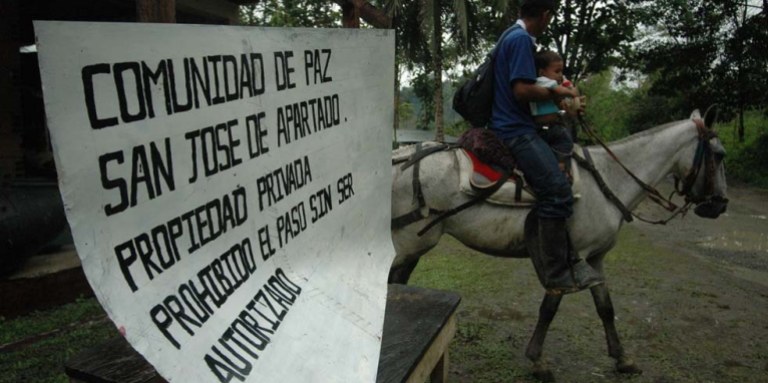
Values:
[(483, 160), (477, 177)]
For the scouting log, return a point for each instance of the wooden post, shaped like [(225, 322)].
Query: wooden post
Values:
[(350, 15), (156, 11), (10, 100)]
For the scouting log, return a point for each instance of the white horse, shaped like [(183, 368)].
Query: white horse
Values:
[(498, 230)]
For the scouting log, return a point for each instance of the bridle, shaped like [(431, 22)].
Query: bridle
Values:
[(703, 157)]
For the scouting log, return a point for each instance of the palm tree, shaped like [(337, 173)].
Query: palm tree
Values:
[(420, 29)]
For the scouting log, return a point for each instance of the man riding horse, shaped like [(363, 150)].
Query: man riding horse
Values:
[(511, 120)]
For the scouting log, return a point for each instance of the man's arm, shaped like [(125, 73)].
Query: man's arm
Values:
[(530, 92)]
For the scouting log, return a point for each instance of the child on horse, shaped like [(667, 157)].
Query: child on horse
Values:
[(547, 114)]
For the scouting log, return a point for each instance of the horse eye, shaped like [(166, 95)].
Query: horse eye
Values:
[(719, 156)]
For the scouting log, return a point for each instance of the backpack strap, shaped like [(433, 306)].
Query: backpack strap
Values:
[(509, 30)]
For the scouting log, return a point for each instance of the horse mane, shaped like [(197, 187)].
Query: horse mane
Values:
[(644, 133)]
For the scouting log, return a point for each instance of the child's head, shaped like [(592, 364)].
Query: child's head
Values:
[(550, 65)]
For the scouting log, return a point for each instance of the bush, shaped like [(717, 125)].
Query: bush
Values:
[(747, 161), (607, 108)]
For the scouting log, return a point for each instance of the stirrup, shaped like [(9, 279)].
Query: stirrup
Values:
[(563, 291), (583, 271), (591, 277)]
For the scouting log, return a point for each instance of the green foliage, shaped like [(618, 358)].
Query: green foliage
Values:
[(747, 161), (291, 13), (423, 89), (457, 128), (592, 36), (415, 114), (608, 110), (706, 52)]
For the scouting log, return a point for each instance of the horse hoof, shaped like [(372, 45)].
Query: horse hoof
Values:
[(544, 375), (628, 367)]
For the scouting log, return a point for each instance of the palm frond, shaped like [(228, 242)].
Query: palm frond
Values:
[(393, 7)]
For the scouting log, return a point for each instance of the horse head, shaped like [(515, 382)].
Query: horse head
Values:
[(702, 171)]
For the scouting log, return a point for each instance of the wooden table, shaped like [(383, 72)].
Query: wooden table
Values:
[(419, 325)]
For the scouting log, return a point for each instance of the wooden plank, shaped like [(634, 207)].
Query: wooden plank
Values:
[(430, 362), (418, 327), (440, 372), (113, 361), (415, 319)]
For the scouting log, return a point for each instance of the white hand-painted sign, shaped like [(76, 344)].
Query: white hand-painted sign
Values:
[(228, 191)]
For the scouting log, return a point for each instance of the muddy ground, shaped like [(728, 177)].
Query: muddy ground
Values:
[(691, 303)]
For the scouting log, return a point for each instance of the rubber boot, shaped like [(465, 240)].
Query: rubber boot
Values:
[(562, 274)]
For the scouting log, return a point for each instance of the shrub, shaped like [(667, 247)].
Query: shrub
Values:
[(747, 161)]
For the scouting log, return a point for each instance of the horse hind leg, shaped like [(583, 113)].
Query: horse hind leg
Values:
[(605, 310), (547, 311)]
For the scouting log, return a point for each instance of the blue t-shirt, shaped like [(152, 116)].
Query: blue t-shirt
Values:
[(514, 62)]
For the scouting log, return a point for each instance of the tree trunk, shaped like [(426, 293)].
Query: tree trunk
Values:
[(742, 78), (370, 14), (396, 124), (437, 39), (156, 11), (741, 122)]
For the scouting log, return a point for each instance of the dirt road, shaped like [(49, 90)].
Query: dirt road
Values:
[(691, 303), (738, 240)]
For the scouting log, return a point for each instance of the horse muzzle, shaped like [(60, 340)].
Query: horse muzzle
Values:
[(712, 208)]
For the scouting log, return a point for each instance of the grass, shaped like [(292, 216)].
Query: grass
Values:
[(34, 348)]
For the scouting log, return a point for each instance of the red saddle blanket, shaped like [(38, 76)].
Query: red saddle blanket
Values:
[(484, 169)]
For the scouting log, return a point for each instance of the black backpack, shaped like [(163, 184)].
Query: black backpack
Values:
[(474, 98)]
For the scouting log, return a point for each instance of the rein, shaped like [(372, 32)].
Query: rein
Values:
[(703, 156), (653, 194)]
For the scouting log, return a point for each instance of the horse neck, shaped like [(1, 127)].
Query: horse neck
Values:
[(650, 155)]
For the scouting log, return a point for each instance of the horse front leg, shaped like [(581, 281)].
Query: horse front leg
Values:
[(402, 273), (547, 311), (605, 310)]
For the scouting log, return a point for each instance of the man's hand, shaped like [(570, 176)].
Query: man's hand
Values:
[(574, 106), (562, 91)]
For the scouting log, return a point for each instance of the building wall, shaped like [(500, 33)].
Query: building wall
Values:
[(24, 146), (10, 140)]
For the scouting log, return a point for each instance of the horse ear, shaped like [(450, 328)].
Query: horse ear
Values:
[(710, 116), (695, 114)]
